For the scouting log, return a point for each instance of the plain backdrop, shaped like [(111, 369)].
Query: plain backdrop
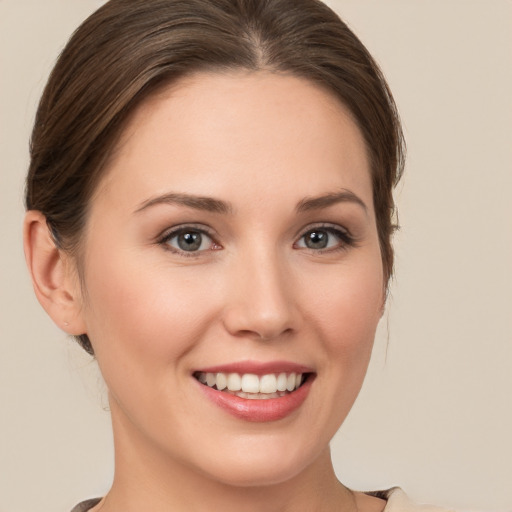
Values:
[(435, 414)]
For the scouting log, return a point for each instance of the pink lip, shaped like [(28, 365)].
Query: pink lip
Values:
[(264, 410), (258, 368)]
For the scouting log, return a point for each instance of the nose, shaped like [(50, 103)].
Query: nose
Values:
[(260, 298)]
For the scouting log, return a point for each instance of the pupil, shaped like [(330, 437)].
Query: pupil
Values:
[(317, 240), (190, 241)]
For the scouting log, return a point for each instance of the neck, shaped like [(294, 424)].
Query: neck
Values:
[(147, 480)]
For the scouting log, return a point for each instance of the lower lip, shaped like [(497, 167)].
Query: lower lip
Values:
[(269, 409)]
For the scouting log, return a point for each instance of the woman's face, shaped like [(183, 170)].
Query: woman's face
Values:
[(233, 240)]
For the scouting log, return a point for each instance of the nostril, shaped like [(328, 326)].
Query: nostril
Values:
[(268, 336), (260, 309)]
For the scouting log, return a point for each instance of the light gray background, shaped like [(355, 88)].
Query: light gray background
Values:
[(435, 413)]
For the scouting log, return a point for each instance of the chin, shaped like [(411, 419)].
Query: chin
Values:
[(262, 462), (247, 474)]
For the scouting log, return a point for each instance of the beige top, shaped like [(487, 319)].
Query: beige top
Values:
[(397, 501)]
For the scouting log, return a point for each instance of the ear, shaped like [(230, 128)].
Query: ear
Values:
[(53, 275)]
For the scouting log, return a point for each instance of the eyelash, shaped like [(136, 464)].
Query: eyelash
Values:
[(190, 228), (346, 240)]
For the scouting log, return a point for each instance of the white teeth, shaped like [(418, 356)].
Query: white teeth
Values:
[(211, 379), (282, 380), (234, 382), (250, 383), (222, 381), (257, 396), (251, 386), (268, 383), (290, 383)]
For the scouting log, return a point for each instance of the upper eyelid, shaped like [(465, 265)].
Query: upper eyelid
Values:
[(345, 237), (169, 232), (323, 225), (202, 228)]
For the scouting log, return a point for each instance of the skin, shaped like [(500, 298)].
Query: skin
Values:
[(263, 143)]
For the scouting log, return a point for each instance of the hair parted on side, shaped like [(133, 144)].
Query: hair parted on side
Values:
[(127, 49)]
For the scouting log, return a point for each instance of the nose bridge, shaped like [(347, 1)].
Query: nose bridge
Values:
[(260, 297)]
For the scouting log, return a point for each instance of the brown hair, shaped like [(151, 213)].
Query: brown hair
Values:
[(128, 48)]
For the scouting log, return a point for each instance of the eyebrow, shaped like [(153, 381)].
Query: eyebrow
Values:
[(208, 204), (320, 202)]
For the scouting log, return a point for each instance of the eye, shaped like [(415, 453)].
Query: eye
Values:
[(324, 237), (189, 240)]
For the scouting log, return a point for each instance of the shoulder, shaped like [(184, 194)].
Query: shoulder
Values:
[(398, 501), (84, 506)]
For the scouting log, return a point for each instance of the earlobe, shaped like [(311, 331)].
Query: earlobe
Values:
[(55, 284)]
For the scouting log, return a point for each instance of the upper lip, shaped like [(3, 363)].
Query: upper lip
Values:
[(257, 368)]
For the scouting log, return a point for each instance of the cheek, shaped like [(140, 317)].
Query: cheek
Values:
[(142, 313), (349, 310)]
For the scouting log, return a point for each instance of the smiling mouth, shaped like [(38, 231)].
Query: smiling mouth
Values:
[(251, 386)]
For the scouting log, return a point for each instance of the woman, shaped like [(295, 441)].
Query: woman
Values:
[(209, 214)]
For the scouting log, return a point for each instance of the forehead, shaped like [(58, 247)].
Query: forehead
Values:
[(250, 132)]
